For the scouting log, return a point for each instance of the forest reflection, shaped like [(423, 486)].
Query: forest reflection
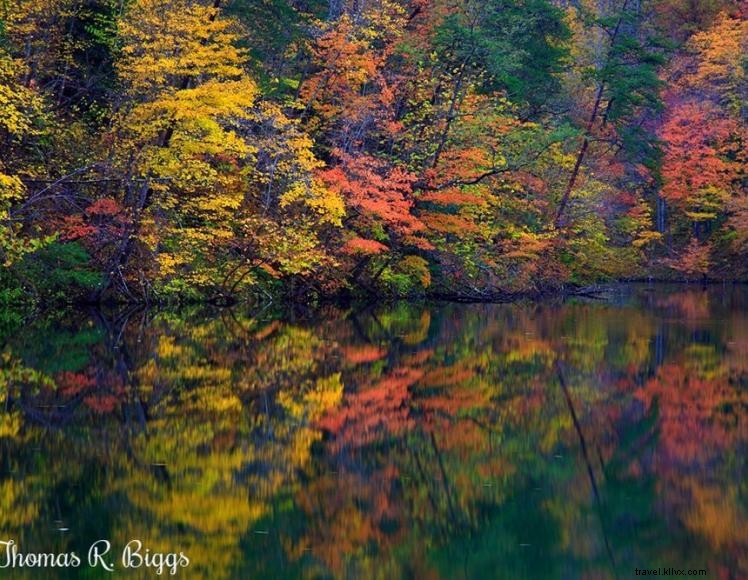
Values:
[(583, 438)]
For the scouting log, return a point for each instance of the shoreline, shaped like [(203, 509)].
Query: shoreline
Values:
[(593, 291)]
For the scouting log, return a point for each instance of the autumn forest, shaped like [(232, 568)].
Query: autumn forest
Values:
[(375, 288), (210, 149)]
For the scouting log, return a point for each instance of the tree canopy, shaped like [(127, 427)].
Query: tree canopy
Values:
[(195, 149)]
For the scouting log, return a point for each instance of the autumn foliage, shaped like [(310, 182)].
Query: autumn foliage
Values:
[(196, 149)]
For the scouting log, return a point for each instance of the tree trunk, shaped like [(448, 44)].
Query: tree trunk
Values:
[(588, 129)]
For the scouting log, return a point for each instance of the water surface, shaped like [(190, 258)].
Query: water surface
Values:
[(550, 440)]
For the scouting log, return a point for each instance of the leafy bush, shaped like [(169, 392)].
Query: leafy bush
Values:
[(59, 272)]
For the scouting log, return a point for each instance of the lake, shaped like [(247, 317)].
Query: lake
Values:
[(561, 439)]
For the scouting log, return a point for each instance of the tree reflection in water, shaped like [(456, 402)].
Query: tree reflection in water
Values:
[(524, 440)]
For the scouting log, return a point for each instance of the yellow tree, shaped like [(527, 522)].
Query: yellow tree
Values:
[(185, 92), (212, 174), (19, 107)]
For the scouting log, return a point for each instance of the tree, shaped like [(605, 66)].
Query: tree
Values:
[(21, 117), (626, 84), (704, 135), (175, 134)]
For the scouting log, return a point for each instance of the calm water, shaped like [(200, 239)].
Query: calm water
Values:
[(582, 439)]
